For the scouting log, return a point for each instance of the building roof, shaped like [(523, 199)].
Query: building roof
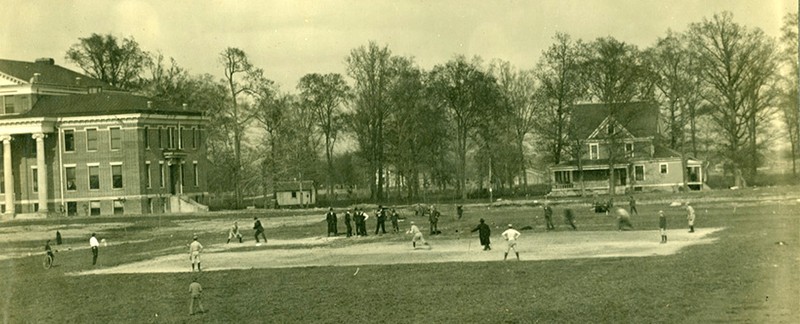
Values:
[(49, 74), (660, 152), (639, 118), (99, 104), (283, 186)]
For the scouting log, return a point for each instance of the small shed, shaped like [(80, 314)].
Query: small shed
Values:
[(295, 193)]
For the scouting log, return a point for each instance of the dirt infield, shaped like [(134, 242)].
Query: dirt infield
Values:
[(318, 251)]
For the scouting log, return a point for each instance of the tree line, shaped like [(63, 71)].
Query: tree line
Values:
[(722, 89)]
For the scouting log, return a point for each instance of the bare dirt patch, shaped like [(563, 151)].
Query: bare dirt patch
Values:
[(318, 251)]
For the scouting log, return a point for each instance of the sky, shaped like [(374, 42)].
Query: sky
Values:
[(289, 39)]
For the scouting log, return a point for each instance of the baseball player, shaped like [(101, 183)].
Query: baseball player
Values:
[(511, 235), (196, 290), (194, 252), (623, 220), (662, 225), (234, 232), (417, 235), (690, 217)]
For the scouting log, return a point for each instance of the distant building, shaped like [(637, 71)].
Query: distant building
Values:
[(75, 145), (629, 137), (295, 193)]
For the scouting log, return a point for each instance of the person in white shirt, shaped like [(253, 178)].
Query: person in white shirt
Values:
[(511, 235), (417, 235), (194, 252), (690, 217), (95, 245)]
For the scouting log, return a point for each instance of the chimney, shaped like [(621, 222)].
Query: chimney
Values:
[(185, 106), (46, 60), (35, 78), (149, 104), (77, 81)]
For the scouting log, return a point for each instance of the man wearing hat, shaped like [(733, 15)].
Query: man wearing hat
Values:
[(194, 253), (483, 233), (511, 236), (95, 245), (417, 235)]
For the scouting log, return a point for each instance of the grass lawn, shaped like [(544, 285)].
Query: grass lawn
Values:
[(745, 276)]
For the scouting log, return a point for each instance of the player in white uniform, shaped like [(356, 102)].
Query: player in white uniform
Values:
[(511, 235), (194, 253), (417, 235), (690, 217), (234, 232)]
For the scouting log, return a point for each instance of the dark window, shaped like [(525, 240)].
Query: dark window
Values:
[(35, 179), (119, 207), (172, 137), (638, 171), (192, 137), (196, 174), (162, 173), (69, 173), (663, 168), (72, 208), (69, 141), (116, 176), (2, 181), (149, 179), (91, 140), (294, 194), (115, 137), (147, 138), (94, 177), (94, 208)]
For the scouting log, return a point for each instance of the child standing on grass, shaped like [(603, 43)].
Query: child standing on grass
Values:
[(197, 293), (662, 225)]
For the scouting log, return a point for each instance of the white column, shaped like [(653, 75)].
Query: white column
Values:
[(7, 174), (41, 169)]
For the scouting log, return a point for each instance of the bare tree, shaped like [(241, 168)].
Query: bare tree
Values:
[(560, 86), (468, 94), (789, 105), (736, 66), (371, 68), (240, 75), (517, 90), (120, 63), (325, 96)]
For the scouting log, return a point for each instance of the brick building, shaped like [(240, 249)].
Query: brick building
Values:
[(78, 146)]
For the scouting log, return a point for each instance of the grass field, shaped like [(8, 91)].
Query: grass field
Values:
[(744, 275)]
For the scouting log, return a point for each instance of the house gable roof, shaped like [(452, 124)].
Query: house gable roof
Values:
[(639, 119), (98, 105), (284, 186), (49, 74)]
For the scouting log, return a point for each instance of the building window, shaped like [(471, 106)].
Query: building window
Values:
[(35, 179), (594, 151), (638, 172), (115, 134), (2, 182), (610, 129), (181, 130), (69, 174), (161, 138), (150, 205), (629, 149), (171, 135), (94, 176), (149, 179), (116, 175), (94, 208), (183, 183), (72, 208), (663, 168), (192, 137), (146, 138), (196, 174), (294, 194), (163, 172), (197, 138), (91, 139), (69, 141), (119, 207), (9, 105)]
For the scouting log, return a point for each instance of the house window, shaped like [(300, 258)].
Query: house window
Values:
[(2, 182), (72, 208), (119, 207), (116, 175), (638, 172), (161, 138), (35, 179), (69, 174), (149, 179), (193, 137), (610, 129), (663, 168), (196, 174), (294, 194), (91, 139), (94, 176), (181, 170), (162, 171), (69, 141), (146, 138), (629, 149), (594, 151), (115, 134), (94, 208), (171, 135)]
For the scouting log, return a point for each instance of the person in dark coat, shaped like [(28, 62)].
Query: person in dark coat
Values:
[(330, 218), (380, 215), (395, 218), (460, 211), (484, 232), (569, 218), (433, 218), (548, 216)]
